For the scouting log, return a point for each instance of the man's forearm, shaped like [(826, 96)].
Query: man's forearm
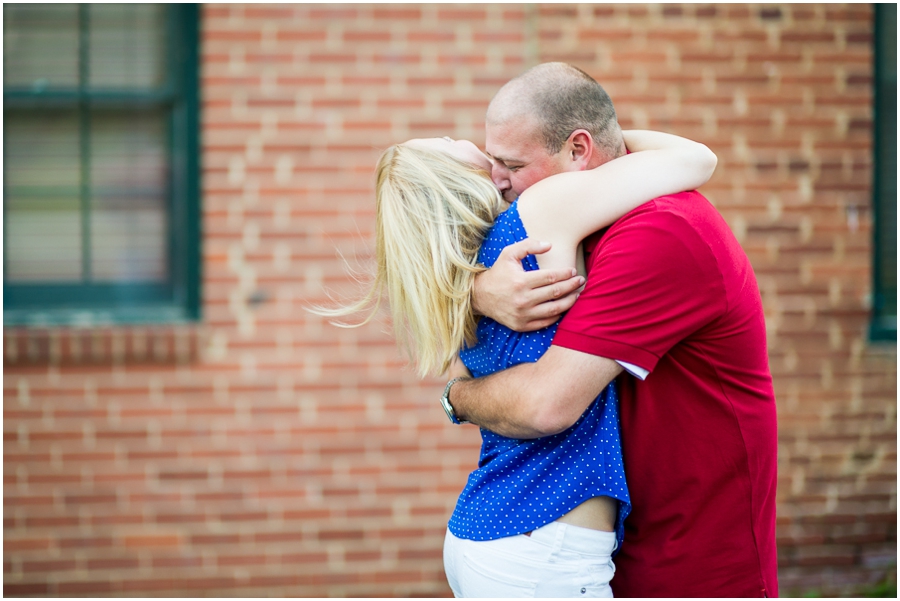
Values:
[(532, 400), (497, 404)]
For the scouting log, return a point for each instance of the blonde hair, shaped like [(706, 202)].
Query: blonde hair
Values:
[(432, 213)]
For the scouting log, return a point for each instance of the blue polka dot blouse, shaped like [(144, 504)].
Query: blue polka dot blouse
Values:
[(521, 485)]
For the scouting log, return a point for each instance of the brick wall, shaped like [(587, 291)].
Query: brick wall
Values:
[(264, 452)]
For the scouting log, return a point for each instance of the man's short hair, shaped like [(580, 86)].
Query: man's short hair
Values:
[(561, 98)]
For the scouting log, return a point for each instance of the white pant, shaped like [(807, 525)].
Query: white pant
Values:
[(557, 560)]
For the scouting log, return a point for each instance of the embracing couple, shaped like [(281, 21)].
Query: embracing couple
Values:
[(630, 446)]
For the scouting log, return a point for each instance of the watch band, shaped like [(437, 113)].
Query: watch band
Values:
[(445, 401)]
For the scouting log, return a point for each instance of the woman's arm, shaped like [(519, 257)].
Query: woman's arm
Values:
[(565, 208), (458, 369)]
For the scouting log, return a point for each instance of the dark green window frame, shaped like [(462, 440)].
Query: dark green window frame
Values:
[(178, 298), (884, 243)]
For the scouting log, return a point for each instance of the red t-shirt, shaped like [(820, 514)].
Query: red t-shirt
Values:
[(669, 289)]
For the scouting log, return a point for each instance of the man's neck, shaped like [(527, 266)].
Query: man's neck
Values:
[(601, 158)]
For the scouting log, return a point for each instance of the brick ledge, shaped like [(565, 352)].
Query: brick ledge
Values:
[(113, 345)]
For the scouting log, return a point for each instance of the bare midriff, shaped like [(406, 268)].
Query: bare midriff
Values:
[(597, 513)]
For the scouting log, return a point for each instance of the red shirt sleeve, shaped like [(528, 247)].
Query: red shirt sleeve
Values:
[(652, 282)]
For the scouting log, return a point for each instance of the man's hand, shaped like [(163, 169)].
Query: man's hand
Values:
[(524, 300)]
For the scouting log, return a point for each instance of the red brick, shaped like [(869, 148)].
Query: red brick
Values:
[(214, 539), (268, 12), (52, 522), (304, 558), (50, 565), (241, 560), (367, 36), (807, 37), (334, 57), (282, 536), (430, 36), (181, 517), (457, 14), (397, 58), (409, 12), (113, 563), (859, 37), (25, 589), (152, 540), (29, 500), (91, 499), (330, 535), (177, 562), (84, 587), (85, 542), (232, 36), (497, 37), (119, 519), (26, 544), (605, 33)]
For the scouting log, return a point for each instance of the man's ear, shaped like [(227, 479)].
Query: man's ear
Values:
[(579, 149)]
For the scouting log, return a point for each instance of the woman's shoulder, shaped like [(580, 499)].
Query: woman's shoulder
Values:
[(507, 229), (510, 220)]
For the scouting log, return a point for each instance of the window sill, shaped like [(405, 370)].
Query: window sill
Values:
[(57, 345)]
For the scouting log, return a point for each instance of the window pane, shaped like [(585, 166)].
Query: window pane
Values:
[(40, 45), (41, 197), (127, 45), (129, 188)]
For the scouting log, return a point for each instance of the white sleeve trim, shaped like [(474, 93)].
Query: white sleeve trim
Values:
[(638, 372)]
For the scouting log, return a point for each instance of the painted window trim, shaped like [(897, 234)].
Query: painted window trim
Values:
[(883, 326)]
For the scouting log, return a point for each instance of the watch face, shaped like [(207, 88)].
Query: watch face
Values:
[(445, 402), (448, 409)]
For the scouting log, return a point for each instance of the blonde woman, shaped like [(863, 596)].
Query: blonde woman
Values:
[(539, 517)]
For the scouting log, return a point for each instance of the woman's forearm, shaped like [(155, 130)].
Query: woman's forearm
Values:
[(570, 206)]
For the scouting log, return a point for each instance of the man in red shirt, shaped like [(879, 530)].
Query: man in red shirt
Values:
[(672, 299)]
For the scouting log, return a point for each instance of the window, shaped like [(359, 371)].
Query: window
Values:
[(100, 163), (884, 264)]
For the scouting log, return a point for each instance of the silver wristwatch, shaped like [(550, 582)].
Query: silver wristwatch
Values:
[(445, 401)]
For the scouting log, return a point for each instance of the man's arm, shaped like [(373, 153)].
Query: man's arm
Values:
[(521, 300), (532, 400)]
